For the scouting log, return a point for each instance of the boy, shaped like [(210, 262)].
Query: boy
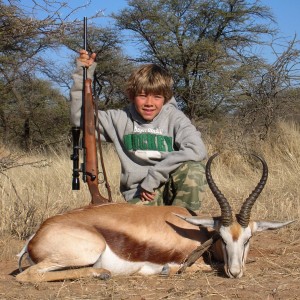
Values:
[(159, 149)]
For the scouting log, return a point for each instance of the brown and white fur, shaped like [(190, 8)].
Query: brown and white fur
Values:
[(123, 239)]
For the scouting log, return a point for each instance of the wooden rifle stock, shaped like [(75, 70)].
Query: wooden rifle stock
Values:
[(89, 167), (89, 131)]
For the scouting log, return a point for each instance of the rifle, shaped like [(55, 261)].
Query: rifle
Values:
[(89, 167)]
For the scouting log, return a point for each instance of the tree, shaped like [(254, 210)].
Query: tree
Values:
[(266, 89), (40, 119), (27, 31), (201, 42), (24, 38)]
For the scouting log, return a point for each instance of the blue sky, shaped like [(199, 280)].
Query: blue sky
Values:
[(286, 13)]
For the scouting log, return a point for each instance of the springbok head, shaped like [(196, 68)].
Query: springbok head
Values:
[(235, 234)]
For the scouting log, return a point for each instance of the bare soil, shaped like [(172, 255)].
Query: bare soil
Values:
[(273, 272)]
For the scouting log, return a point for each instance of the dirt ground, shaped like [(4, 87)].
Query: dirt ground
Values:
[(273, 272)]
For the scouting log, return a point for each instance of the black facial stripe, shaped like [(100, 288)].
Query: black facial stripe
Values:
[(245, 244)]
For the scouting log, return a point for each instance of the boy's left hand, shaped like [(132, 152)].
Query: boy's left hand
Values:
[(147, 196)]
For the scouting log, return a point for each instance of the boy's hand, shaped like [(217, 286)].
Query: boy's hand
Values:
[(147, 196), (85, 58)]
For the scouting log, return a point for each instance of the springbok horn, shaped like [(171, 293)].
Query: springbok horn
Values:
[(226, 213), (244, 216)]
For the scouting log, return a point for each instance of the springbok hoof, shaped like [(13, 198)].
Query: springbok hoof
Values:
[(103, 275), (165, 270)]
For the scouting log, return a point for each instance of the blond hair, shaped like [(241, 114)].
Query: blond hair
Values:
[(150, 79)]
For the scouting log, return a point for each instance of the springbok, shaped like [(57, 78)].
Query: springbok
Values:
[(124, 239)]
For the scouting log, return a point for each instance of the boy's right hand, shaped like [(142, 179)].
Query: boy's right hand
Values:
[(86, 59), (147, 196)]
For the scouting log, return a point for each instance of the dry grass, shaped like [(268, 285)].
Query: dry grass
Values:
[(237, 172), (30, 193)]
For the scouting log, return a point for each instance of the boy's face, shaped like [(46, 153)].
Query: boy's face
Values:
[(148, 105)]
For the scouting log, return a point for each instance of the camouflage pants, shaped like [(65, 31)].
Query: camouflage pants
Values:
[(184, 187)]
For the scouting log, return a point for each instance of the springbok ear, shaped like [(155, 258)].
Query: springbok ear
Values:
[(195, 220), (264, 225)]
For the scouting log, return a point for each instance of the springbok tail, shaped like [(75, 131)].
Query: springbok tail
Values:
[(22, 253)]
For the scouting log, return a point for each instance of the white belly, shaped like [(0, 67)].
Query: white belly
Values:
[(118, 266)]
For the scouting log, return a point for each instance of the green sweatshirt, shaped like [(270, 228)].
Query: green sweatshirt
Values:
[(148, 151)]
